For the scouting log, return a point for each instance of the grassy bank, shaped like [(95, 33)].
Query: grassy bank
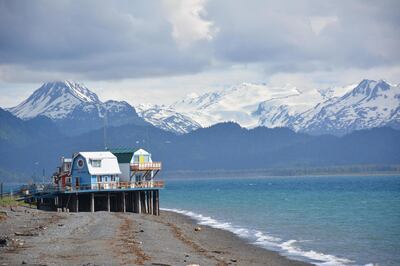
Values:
[(10, 201)]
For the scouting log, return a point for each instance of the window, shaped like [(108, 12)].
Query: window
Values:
[(95, 163), (81, 163), (112, 178), (99, 178)]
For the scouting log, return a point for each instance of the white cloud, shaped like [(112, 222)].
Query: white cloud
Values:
[(188, 22), (158, 51), (319, 23)]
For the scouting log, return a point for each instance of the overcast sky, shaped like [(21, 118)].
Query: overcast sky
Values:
[(159, 51)]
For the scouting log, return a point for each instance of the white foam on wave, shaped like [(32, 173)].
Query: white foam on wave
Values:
[(259, 238), (326, 259)]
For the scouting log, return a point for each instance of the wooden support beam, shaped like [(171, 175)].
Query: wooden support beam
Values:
[(158, 202), (154, 202), (77, 203), (123, 202), (150, 205), (92, 202), (147, 202), (108, 202), (61, 202), (154, 175), (143, 200), (132, 201), (150, 201), (139, 202)]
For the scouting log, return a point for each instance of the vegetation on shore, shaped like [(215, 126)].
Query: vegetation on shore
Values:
[(11, 201)]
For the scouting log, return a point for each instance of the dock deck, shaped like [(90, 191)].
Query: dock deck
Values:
[(137, 197)]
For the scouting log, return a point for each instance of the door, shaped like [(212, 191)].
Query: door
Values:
[(77, 182), (141, 159)]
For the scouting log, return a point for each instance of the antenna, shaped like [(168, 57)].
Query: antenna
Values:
[(105, 130)]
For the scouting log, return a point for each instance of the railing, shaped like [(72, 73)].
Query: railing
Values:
[(146, 166), (143, 184), (118, 185), (106, 186)]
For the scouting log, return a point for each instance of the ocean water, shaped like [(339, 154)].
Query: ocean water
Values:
[(329, 220)]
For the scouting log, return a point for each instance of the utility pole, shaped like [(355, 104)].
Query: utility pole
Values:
[(44, 173), (105, 129)]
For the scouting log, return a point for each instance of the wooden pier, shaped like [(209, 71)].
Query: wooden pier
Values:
[(124, 197), (122, 181)]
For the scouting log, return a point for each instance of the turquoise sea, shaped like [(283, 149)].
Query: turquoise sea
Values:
[(327, 220)]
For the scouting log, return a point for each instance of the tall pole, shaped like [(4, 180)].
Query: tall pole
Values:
[(105, 129)]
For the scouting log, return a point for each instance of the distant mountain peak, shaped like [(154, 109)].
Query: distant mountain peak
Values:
[(55, 100), (369, 87), (78, 90), (66, 101)]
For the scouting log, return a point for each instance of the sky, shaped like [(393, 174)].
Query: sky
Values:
[(160, 51)]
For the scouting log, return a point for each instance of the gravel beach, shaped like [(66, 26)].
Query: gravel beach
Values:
[(30, 236)]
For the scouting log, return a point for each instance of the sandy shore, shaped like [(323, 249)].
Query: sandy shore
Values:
[(30, 236)]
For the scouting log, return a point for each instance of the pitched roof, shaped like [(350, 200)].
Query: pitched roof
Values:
[(141, 152), (109, 164), (123, 157)]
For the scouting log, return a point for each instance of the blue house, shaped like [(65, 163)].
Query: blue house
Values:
[(95, 170)]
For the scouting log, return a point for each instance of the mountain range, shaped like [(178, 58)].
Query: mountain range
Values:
[(30, 147), (335, 111), (276, 129)]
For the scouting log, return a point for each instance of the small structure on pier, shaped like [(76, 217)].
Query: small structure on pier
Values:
[(142, 166), (124, 157), (96, 184), (62, 177), (95, 170)]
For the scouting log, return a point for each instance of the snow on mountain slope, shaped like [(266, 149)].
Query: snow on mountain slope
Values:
[(281, 112), (237, 103), (167, 118), (333, 110), (67, 103), (54, 100), (370, 104), (337, 110)]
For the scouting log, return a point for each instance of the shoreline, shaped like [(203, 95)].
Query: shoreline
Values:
[(263, 241), (102, 238)]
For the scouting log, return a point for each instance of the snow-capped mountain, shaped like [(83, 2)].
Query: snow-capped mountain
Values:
[(316, 111), (167, 118), (55, 100), (68, 103), (338, 110), (370, 104), (236, 103)]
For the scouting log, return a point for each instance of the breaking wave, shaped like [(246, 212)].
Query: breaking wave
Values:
[(287, 248)]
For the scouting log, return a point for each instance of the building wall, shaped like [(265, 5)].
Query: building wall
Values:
[(125, 172), (80, 172)]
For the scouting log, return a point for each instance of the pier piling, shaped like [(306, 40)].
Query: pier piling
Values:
[(108, 202), (123, 202), (92, 202)]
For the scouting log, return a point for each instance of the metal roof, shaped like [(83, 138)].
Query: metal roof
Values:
[(141, 152), (109, 163), (124, 157)]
